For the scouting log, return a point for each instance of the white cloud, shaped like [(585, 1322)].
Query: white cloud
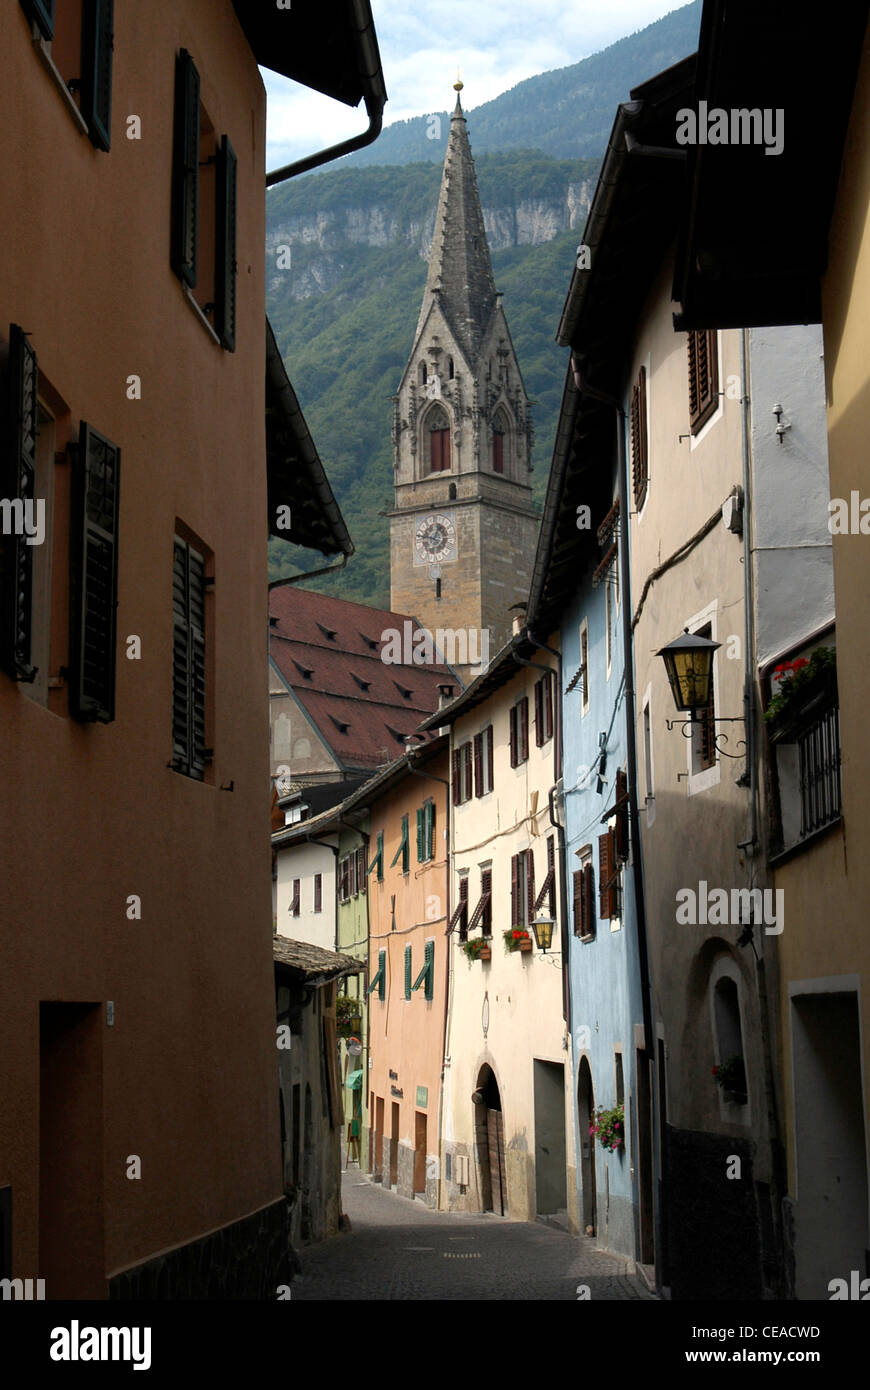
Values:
[(495, 43)]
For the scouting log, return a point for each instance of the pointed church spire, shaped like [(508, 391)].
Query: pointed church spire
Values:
[(460, 270)]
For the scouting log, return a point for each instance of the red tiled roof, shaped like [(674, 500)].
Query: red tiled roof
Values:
[(364, 727)]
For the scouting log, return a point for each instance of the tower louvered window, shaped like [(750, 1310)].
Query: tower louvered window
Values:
[(189, 753), (703, 376), (439, 441), (18, 484), (639, 455), (94, 576)]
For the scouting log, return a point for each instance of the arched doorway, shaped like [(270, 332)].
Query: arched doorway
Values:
[(489, 1131), (585, 1111)]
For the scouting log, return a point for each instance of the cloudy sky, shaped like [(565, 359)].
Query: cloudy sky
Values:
[(496, 43)]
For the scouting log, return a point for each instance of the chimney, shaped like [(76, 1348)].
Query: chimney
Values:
[(519, 622), (445, 695)]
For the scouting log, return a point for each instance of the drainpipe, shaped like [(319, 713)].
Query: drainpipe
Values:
[(369, 67), (555, 823), (445, 783), (634, 820), (309, 574), (751, 846)]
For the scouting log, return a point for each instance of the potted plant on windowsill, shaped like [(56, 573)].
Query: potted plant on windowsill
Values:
[(478, 948), (609, 1126), (806, 687), (517, 939), (731, 1077)]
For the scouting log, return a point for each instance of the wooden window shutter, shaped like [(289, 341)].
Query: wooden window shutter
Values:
[(225, 246), (548, 708), (361, 876), (421, 850), (406, 847), (621, 827), (466, 754), (96, 89), (463, 915), (515, 889), (588, 910), (18, 480), (539, 712), (639, 469), (188, 660), (514, 740), (429, 989), (297, 890), (478, 764), (702, 348), (486, 899), (578, 902), (94, 577), (40, 13), (530, 886), (380, 856), (185, 169), (430, 830), (607, 871), (457, 780), (382, 973), (524, 729), (408, 950), (489, 760), (318, 892)]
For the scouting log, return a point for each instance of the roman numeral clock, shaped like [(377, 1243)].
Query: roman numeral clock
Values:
[(435, 539)]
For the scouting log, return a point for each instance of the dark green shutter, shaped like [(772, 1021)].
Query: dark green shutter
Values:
[(380, 856), (382, 973), (421, 836), (407, 972), (430, 832), (406, 847), (18, 481), (96, 92), (188, 660), (94, 577), (40, 12), (225, 247), (185, 169), (430, 976)]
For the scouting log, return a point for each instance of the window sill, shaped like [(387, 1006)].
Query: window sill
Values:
[(199, 314), (784, 855), (48, 63)]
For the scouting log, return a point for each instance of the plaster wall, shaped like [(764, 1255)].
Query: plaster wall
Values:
[(303, 860)]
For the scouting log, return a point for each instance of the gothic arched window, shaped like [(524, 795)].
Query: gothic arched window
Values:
[(450, 368), (438, 428)]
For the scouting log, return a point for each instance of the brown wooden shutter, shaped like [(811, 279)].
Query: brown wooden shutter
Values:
[(18, 481), (578, 902), (530, 886), (607, 870), (490, 762), (94, 583), (708, 731), (318, 892), (639, 469), (621, 827), (456, 777), (514, 741), (486, 890), (467, 759), (225, 246), (588, 900), (702, 348), (478, 764), (548, 708), (463, 916), (539, 712), (524, 729), (515, 894), (551, 870)]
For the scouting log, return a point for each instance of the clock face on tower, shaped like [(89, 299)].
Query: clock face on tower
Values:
[(435, 539)]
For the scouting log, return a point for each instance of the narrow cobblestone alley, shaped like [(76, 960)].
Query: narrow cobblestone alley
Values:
[(398, 1249)]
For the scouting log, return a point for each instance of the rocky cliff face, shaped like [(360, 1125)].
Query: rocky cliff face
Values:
[(314, 246)]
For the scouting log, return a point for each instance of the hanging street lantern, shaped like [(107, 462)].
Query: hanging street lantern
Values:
[(689, 664), (543, 930)]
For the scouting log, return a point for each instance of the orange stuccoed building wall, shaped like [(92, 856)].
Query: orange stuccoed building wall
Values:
[(138, 1084)]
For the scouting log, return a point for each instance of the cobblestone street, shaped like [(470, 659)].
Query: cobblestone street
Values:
[(398, 1249)]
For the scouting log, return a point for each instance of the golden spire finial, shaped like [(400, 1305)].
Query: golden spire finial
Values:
[(458, 84)]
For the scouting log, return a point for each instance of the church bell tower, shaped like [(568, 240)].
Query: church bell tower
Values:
[(462, 528)]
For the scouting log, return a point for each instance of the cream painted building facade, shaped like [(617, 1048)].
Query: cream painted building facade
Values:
[(507, 1125)]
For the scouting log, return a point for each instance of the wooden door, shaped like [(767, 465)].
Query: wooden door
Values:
[(495, 1147)]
